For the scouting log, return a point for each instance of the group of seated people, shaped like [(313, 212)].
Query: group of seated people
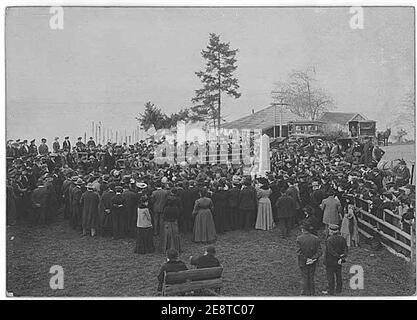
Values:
[(173, 264)]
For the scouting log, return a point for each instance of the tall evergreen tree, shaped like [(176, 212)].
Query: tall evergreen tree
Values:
[(152, 116), (217, 78)]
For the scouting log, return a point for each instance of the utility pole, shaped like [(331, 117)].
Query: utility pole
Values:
[(281, 104)]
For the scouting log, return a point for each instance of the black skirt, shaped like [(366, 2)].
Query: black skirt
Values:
[(144, 241)]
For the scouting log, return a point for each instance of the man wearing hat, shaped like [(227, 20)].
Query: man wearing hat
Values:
[(24, 149), (334, 256), (105, 209), (80, 145), (119, 214), (39, 198), (188, 196), (76, 214), (91, 143), (66, 145), (308, 252), (33, 149), (43, 148), (158, 201), (66, 185), (131, 199), (55, 145), (233, 196), (248, 204)]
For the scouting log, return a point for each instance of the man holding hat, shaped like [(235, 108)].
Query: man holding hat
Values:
[(334, 255)]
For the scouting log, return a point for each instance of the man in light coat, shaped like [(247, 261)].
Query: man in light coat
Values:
[(331, 210)]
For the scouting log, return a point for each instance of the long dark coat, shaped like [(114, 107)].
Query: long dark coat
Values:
[(221, 211), (131, 201), (89, 202), (105, 209), (76, 207), (285, 207)]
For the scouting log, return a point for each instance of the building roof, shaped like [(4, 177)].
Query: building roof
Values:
[(263, 119), (341, 118)]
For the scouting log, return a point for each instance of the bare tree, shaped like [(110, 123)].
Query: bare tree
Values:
[(405, 113), (303, 96)]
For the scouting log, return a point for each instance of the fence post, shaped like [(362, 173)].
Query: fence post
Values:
[(413, 248)]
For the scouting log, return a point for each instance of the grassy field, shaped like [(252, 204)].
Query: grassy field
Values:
[(257, 263)]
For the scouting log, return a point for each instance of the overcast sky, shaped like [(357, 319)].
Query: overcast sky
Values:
[(108, 62)]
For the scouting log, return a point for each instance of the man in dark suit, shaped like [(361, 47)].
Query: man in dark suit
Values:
[(66, 145), (308, 251), (24, 149), (109, 160), (188, 196), (39, 198), (285, 213), (233, 194), (334, 255), (207, 260), (43, 148), (158, 201), (172, 265), (80, 145), (91, 143), (294, 192), (248, 205), (56, 146), (33, 149)]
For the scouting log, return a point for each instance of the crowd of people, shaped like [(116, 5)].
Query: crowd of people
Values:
[(119, 191)]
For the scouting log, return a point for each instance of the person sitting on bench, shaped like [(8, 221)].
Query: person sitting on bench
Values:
[(207, 260), (172, 265)]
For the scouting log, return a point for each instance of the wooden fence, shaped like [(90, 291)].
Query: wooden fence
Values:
[(396, 235)]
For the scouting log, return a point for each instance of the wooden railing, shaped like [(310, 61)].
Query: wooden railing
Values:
[(396, 235)]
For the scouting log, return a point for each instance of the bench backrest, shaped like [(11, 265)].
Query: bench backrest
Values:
[(193, 275)]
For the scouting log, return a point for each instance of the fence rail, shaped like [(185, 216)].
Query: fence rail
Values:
[(396, 235)]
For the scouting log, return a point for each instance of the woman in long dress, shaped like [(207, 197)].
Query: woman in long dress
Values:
[(204, 228), (265, 219), (170, 238), (144, 235)]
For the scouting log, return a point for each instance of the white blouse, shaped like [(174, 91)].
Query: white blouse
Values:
[(144, 218)]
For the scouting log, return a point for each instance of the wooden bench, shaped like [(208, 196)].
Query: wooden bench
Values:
[(176, 283)]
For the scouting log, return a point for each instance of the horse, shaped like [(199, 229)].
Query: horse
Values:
[(388, 168), (384, 136)]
